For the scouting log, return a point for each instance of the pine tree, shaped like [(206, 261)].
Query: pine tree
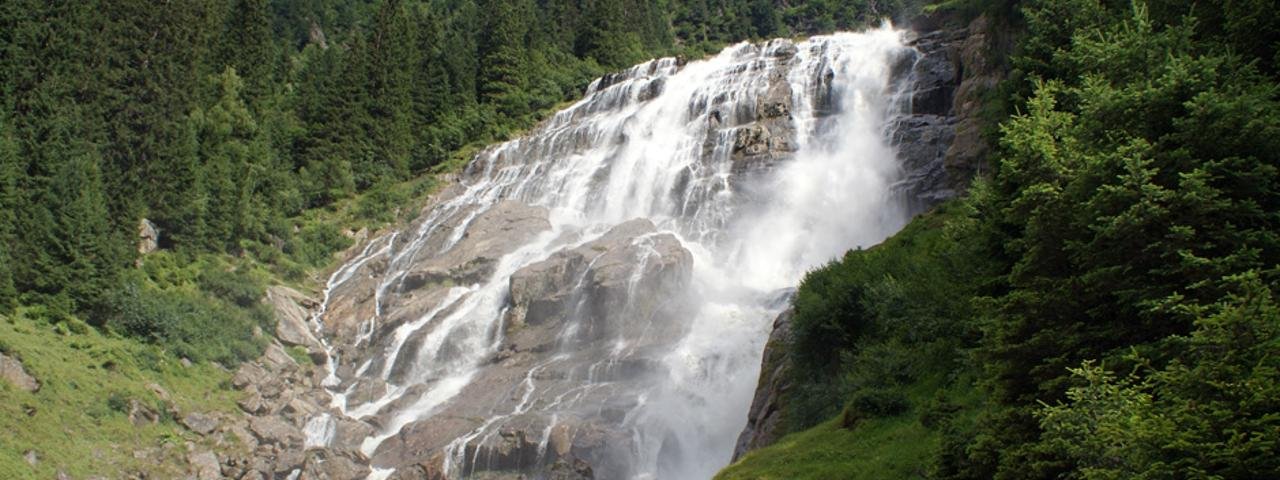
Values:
[(235, 159), (392, 58), (504, 56), (9, 196), (248, 46)]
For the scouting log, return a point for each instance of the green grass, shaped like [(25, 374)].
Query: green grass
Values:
[(899, 446), (882, 448), (77, 422)]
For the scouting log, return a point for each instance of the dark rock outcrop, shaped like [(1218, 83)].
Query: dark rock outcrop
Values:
[(940, 136), (764, 420)]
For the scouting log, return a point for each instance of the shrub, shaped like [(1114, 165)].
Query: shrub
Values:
[(187, 323), (315, 244)]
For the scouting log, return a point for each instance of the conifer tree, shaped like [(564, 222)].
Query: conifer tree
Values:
[(9, 196), (392, 58), (248, 46), (504, 57)]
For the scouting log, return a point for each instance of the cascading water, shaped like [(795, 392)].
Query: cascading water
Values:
[(596, 294)]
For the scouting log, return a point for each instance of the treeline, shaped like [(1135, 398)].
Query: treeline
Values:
[(1103, 305)]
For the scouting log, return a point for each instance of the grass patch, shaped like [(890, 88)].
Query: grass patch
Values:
[(77, 422), (865, 445)]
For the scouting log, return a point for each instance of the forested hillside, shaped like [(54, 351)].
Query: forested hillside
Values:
[(1102, 304), (222, 121)]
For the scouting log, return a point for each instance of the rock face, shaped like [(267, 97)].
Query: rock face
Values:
[(764, 420), (563, 314), (11, 371), (291, 312), (967, 154), (941, 146), (940, 139)]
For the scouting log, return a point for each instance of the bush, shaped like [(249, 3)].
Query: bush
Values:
[(315, 244), (188, 323), (879, 402), (232, 285)]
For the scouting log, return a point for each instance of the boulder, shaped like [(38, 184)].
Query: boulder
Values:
[(291, 318), (205, 465), (148, 237), (272, 430), (199, 423), (249, 374), (142, 414), (326, 465), (11, 370), (548, 291), (277, 360)]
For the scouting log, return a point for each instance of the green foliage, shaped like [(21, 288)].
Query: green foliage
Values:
[(880, 319), (1210, 413), (189, 324), (315, 244)]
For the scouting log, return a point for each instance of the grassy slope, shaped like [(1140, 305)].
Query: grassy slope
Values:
[(877, 448), (78, 421)]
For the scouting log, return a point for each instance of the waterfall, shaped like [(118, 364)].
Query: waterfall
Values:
[(597, 293)]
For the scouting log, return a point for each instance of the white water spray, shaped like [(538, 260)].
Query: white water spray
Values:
[(760, 163)]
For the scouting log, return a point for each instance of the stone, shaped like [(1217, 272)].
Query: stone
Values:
[(291, 318), (142, 414), (31, 458), (249, 374), (288, 461), (275, 359), (205, 465), (199, 423), (253, 403), (325, 465), (148, 237), (272, 430), (764, 419), (967, 155), (11, 370), (159, 392)]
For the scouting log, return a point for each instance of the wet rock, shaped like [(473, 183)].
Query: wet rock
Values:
[(348, 435), (764, 419), (967, 156), (11, 370), (595, 280), (572, 469), (199, 423)]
